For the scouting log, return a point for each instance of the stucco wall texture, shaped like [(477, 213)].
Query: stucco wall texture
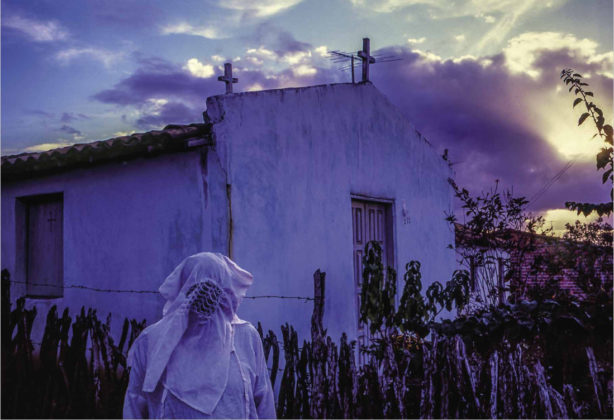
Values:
[(274, 193), (126, 226), (294, 157)]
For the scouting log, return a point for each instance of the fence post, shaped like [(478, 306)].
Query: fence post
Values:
[(319, 383), (317, 328)]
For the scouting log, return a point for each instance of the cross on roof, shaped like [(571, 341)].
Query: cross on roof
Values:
[(365, 56), (51, 220), (227, 77)]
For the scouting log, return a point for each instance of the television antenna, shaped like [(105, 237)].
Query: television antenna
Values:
[(364, 55)]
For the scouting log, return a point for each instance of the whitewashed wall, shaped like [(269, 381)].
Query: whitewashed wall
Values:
[(294, 158), (126, 226)]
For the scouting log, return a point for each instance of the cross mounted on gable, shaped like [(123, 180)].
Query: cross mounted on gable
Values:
[(365, 56), (227, 77), (51, 219)]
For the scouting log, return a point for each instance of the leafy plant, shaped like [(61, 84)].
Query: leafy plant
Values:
[(415, 312), (496, 235), (604, 131)]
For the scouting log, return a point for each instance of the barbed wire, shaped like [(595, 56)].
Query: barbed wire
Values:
[(79, 286), (154, 292), (306, 299)]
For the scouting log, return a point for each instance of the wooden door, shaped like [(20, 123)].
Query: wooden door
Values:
[(370, 222), (45, 248)]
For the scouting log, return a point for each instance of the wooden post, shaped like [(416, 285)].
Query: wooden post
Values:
[(319, 384), (319, 280)]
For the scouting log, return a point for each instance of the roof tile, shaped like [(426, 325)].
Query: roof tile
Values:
[(173, 138)]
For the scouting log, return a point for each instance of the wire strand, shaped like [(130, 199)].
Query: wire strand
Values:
[(96, 289), (537, 195)]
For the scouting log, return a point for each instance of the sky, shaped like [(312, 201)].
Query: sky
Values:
[(479, 78)]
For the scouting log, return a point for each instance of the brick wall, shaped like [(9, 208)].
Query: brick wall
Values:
[(547, 263)]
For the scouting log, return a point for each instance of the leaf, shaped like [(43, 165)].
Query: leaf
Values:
[(603, 157), (582, 118), (576, 102), (588, 93), (605, 176), (576, 75), (607, 129)]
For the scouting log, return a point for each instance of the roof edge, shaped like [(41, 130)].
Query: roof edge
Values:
[(171, 139)]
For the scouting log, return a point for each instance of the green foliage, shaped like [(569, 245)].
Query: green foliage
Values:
[(604, 131), (550, 319), (378, 290), (415, 311), (583, 256), (492, 217), (495, 228)]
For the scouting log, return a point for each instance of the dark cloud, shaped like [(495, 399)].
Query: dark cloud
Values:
[(70, 130), (39, 113), (483, 114), (144, 84), (170, 113), (133, 14), (186, 94), (68, 117), (280, 41), (157, 78), (485, 117)]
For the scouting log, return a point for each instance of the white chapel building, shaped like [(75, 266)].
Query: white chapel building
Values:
[(283, 181)]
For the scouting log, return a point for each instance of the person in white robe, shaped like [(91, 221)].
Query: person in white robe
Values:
[(200, 360)]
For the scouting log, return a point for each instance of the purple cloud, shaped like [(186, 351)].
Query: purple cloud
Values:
[(39, 113), (68, 117), (183, 94), (142, 85), (70, 130), (486, 117), (129, 15), (170, 113), (280, 41)]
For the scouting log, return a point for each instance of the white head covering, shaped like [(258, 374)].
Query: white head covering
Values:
[(193, 340)]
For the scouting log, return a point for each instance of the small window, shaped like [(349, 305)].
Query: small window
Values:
[(487, 278), (371, 221), (44, 248)]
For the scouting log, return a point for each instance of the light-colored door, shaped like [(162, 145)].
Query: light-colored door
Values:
[(369, 223)]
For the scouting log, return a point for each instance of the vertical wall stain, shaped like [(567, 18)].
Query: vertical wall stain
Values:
[(203, 173), (230, 227)]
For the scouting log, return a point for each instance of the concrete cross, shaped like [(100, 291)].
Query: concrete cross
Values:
[(51, 220), (227, 77), (366, 58)]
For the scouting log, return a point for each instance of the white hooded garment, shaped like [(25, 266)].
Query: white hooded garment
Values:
[(200, 360)]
